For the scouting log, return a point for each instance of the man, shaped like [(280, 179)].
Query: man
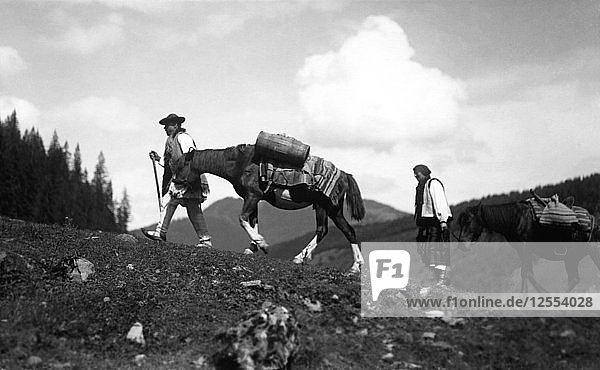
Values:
[(175, 193), (432, 215)]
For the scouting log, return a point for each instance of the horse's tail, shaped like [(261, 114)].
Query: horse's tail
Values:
[(354, 199)]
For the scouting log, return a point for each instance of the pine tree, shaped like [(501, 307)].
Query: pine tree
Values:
[(10, 142), (103, 207), (33, 174), (77, 181), (123, 213), (55, 191)]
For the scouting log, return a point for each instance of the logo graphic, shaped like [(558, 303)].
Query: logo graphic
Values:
[(388, 270)]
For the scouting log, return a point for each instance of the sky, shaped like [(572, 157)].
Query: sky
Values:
[(493, 96)]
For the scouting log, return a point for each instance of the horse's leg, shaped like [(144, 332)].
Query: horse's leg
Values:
[(321, 217), (572, 267), (337, 216), (254, 224), (594, 253), (527, 270), (250, 207)]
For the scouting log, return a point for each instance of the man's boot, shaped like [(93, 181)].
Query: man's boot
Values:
[(205, 242), (154, 235)]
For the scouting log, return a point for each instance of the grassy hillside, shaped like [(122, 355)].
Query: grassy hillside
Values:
[(183, 297), (275, 224)]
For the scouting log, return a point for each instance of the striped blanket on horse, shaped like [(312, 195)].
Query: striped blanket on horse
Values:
[(558, 214), (317, 173)]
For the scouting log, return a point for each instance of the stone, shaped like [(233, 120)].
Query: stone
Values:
[(569, 333), (389, 357), (453, 321), (82, 271), (201, 362), (313, 306), (266, 338), (34, 361), (257, 284), (139, 359), (428, 336), (136, 334)]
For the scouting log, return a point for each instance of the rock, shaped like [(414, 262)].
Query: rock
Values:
[(136, 334), (139, 359), (65, 365), (256, 284), (363, 332), (34, 361), (313, 306), (126, 238), (201, 362), (569, 333), (129, 267), (251, 283), (335, 297), (453, 321), (389, 357), (406, 365), (428, 336), (82, 271), (266, 338), (106, 299)]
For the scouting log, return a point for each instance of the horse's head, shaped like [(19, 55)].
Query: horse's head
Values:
[(470, 223)]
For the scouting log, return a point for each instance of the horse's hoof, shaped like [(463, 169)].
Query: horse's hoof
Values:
[(253, 247), (248, 251), (354, 270), (263, 246), (298, 261)]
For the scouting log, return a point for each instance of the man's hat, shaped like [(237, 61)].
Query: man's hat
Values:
[(171, 118)]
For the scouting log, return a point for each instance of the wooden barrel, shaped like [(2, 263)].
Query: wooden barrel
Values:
[(281, 149)]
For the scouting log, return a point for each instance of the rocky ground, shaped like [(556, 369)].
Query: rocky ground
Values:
[(184, 297)]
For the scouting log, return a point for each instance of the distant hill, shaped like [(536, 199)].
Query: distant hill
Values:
[(335, 250), (275, 224)]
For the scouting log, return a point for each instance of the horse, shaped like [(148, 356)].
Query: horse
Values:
[(517, 223), (237, 165)]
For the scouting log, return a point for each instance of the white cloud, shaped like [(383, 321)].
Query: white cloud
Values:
[(86, 40), (10, 62), (144, 6), (27, 114), (223, 24), (370, 92), (109, 114)]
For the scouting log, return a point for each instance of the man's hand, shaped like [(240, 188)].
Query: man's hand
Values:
[(154, 156), (444, 225)]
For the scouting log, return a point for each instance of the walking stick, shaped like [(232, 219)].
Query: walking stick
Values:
[(156, 182)]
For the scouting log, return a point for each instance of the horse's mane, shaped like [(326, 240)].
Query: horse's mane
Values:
[(227, 162)]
